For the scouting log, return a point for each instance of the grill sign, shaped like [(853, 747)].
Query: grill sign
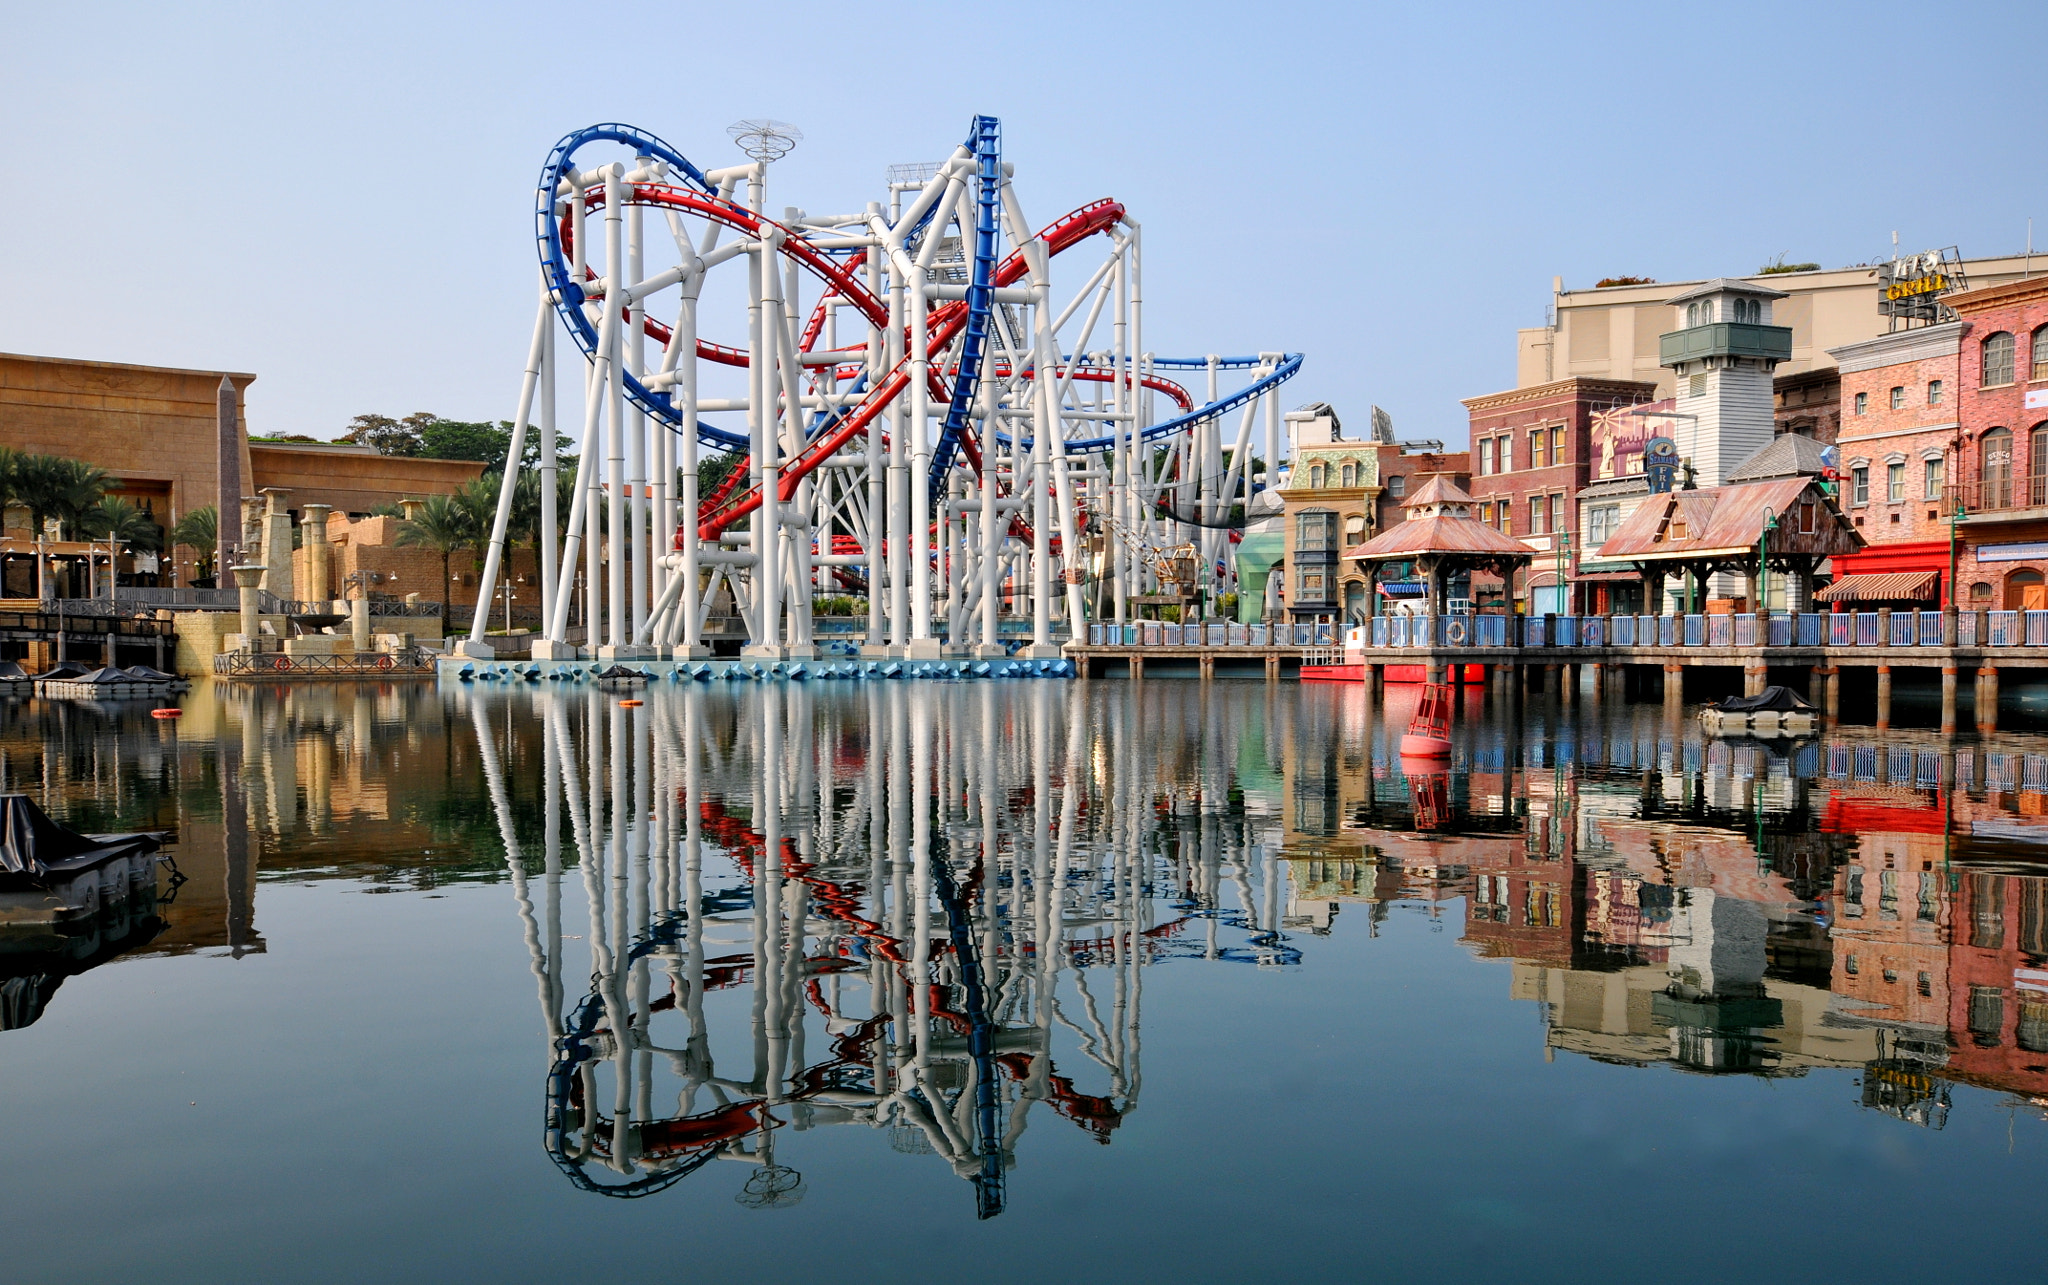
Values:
[(1912, 285)]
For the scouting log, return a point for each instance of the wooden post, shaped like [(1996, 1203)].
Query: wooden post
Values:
[(1831, 704), (1208, 666), (1137, 666), (1272, 666), (1987, 700), (1884, 692), (1948, 690)]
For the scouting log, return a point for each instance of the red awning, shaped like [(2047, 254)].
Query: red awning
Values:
[(1890, 586)]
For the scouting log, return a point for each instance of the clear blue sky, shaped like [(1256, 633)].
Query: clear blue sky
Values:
[(336, 196)]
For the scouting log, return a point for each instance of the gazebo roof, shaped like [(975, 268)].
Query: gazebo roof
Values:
[(1466, 536), (1438, 490)]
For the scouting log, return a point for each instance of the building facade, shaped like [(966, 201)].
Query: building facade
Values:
[(1944, 447), (1533, 451)]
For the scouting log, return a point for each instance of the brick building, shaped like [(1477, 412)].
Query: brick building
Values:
[(1533, 451), (1945, 436)]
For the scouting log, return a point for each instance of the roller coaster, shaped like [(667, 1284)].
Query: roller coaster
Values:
[(919, 412)]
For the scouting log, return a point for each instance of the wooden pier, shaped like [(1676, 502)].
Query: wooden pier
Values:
[(1644, 655)]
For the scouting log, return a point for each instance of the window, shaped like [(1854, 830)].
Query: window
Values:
[(1981, 591), (1934, 392), (1315, 477), (1351, 476), (1557, 445), (1862, 403), (1994, 469), (2038, 350), (1859, 486), (1483, 450), (1504, 455), (1898, 398), (1486, 512), (1937, 476), (1507, 518), (1601, 519), (1539, 514), (1315, 531), (1895, 482), (1560, 517), (1697, 386), (1313, 585), (1809, 517), (1397, 486), (2037, 472), (1536, 449), (1998, 359), (1987, 1016)]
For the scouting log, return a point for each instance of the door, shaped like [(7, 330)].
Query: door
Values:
[(2025, 590)]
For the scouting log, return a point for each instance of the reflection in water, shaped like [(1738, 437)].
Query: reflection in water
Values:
[(936, 908), (928, 910)]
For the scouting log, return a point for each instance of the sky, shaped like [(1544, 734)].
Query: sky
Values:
[(337, 197)]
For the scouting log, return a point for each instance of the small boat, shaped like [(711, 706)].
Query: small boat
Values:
[(619, 676), (1775, 711), (1429, 732), (53, 875)]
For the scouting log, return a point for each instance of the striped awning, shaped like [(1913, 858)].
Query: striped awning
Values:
[(1889, 586)]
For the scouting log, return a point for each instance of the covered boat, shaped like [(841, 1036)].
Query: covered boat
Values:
[(1774, 711), (50, 874)]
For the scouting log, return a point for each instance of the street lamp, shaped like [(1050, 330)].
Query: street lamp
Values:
[(1763, 569)]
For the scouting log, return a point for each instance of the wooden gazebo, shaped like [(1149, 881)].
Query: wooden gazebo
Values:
[(1442, 538)]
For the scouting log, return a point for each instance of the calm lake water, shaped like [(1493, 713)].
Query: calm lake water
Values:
[(1025, 981)]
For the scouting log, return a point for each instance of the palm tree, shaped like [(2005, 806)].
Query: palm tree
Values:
[(114, 518), (199, 531), (56, 486), (444, 525)]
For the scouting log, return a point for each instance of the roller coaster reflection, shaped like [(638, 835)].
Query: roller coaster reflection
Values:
[(996, 868)]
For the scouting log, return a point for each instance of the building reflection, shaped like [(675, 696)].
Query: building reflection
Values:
[(1869, 906)]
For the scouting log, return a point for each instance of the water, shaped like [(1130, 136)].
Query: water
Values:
[(1212, 988)]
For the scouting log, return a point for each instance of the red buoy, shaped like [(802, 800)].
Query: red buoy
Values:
[(1429, 732), (167, 713)]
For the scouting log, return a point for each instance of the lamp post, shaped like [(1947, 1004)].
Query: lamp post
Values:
[(1763, 568), (1564, 547)]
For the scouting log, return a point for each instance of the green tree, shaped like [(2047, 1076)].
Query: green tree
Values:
[(488, 444), (388, 436), (56, 486), (199, 531), (444, 525), (114, 518)]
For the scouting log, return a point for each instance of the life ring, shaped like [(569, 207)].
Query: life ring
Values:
[(1591, 632), (1454, 632), (281, 664), (386, 662)]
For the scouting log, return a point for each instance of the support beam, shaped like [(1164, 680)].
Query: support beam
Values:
[(1884, 697), (1948, 691), (1987, 700)]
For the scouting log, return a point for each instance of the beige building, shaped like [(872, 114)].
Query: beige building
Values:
[(1613, 333), (155, 429)]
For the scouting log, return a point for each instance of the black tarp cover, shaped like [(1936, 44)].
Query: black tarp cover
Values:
[(31, 843), (63, 669), (12, 672), (1771, 700), (620, 674)]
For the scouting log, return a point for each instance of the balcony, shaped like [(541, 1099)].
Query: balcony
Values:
[(1725, 339), (2017, 499)]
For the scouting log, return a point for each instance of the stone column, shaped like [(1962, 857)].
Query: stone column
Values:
[(1948, 690), (277, 542), (1754, 679), (1884, 628), (248, 579), (1884, 692), (228, 494), (1987, 699), (319, 559), (359, 622)]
